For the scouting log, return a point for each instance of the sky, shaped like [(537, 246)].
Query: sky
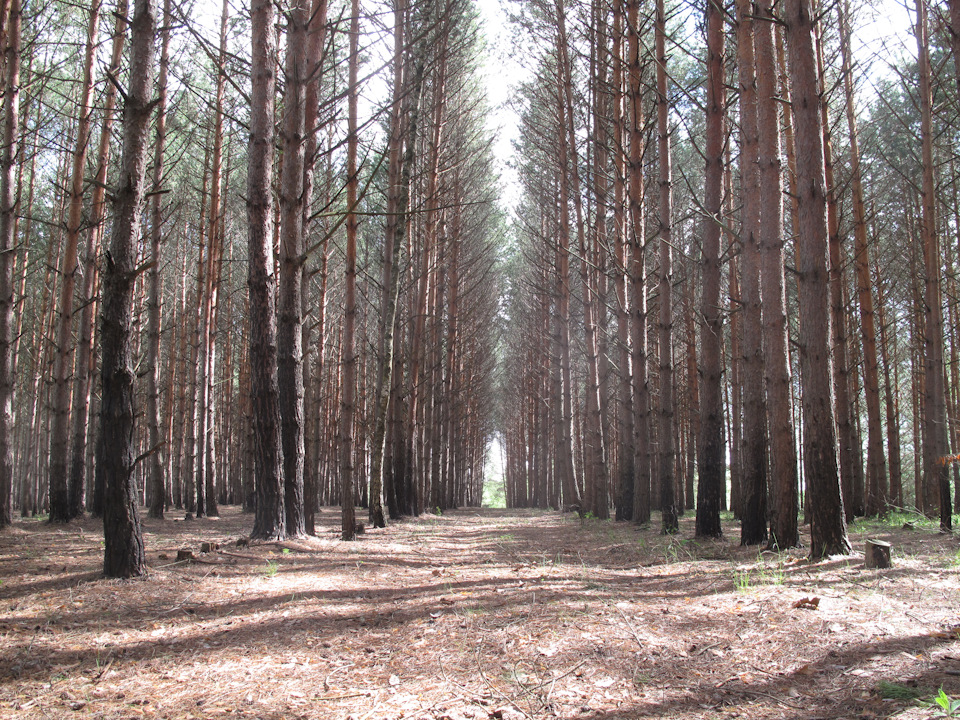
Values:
[(882, 36), (503, 70)]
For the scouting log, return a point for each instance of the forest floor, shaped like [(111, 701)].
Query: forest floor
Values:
[(474, 614)]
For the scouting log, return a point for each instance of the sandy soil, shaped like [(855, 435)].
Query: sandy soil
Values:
[(475, 614)]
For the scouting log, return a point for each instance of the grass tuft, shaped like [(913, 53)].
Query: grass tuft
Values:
[(896, 691)]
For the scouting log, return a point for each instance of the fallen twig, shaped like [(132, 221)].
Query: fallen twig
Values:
[(496, 690), (772, 697), (345, 696), (633, 632)]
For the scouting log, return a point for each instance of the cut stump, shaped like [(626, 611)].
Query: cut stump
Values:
[(877, 554)]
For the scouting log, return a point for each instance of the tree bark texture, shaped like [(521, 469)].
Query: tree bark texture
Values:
[(712, 476), (935, 443), (292, 259), (638, 272), (269, 522), (877, 490), (666, 430), (828, 526), (348, 352), (123, 540), (784, 532), (159, 446), (84, 374), (63, 362), (8, 210), (753, 529), (397, 201)]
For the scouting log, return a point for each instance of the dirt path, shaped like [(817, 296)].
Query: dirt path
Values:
[(475, 614)]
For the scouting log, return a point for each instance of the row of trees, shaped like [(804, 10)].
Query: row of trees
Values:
[(680, 290), (348, 185), (740, 260)]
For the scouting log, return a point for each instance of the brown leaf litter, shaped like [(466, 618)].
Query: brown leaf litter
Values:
[(473, 614)]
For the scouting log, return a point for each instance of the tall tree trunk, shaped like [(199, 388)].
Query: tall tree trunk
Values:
[(123, 540), (891, 403), (85, 372), (625, 441), (736, 357), (876, 462), (638, 277), (216, 234), (935, 445), (158, 448), (391, 272), (571, 492), (348, 352), (40, 357), (753, 529), (194, 486), (828, 528), (63, 362), (842, 376), (269, 523), (598, 499), (666, 431), (209, 340), (292, 258), (8, 211), (316, 34), (712, 476), (398, 182), (784, 532)]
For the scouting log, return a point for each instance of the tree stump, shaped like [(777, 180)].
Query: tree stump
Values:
[(877, 554)]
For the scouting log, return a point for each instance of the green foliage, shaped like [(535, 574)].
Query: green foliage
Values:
[(899, 519), (773, 574), (896, 691), (741, 580), (494, 494), (270, 569), (946, 706), (763, 573), (677, 549)]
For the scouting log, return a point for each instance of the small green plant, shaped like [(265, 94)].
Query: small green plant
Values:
[(946, 706), (270, 569), (896, 691), (676, 549), (640, 679), (741, 580), (773, 575), (286, 551)]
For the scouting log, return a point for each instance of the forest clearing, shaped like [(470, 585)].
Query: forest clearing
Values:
[(475, 614)]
